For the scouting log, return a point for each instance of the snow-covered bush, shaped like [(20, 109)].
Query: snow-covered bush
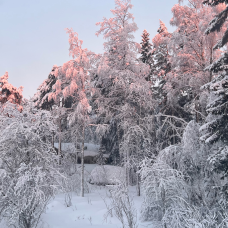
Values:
[(29, 175), (122, 205), (181, 189), (107, 174), (163, 188)]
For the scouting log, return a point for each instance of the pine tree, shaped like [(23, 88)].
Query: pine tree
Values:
[(41, 97), (100, 159), (217, 121), (215, 130), (161, 65), (145, 47), (146, 51)]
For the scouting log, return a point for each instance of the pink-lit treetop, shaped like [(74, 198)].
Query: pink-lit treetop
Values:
[(9, 92), (194, 47), (161, 65), (145, 47), (191, 51), (121, 77), (72, 79), (161, 36), (120, 47)]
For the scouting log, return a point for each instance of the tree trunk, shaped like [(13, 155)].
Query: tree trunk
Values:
[(197, 115), (60, 145), (163, 206), (137, 183), (82, 161), (126, 158), (53, 139), (128, 170), (23, 222), (76, 151)]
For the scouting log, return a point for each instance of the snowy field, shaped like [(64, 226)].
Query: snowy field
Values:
[(87, 212)]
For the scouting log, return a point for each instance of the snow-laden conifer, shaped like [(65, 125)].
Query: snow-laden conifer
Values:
[(216, 127), (146, 56), (145, 47)]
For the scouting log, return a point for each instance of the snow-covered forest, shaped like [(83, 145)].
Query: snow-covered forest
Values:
[(134, 137)]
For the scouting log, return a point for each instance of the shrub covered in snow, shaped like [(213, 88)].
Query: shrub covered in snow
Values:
[(107, 174), (28, 165)]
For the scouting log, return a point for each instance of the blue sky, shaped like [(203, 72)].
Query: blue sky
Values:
[(33, 39)]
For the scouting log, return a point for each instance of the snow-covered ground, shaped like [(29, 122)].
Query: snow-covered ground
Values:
[(87, 212)]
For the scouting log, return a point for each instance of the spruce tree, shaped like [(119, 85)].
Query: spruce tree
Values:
[(41, 97), (146, 51), (161, 66), (100, 159), (215, 130)]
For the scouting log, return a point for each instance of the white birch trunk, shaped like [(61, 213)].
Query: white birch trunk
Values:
[(60, 138), (82, 161)]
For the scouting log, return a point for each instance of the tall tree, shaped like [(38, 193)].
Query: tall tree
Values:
[(120, 79), (146, 56), (161, 65), (78, 72), (217, 108), (41, 97), (215, 130)]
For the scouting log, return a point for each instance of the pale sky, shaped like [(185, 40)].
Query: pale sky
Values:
[(33, 39)]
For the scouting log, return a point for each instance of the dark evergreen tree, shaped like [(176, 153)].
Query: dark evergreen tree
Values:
[(160, 66), (46, 94), (146, 51), (216, 127), (100, 159), (214, 2), (41, 98)]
